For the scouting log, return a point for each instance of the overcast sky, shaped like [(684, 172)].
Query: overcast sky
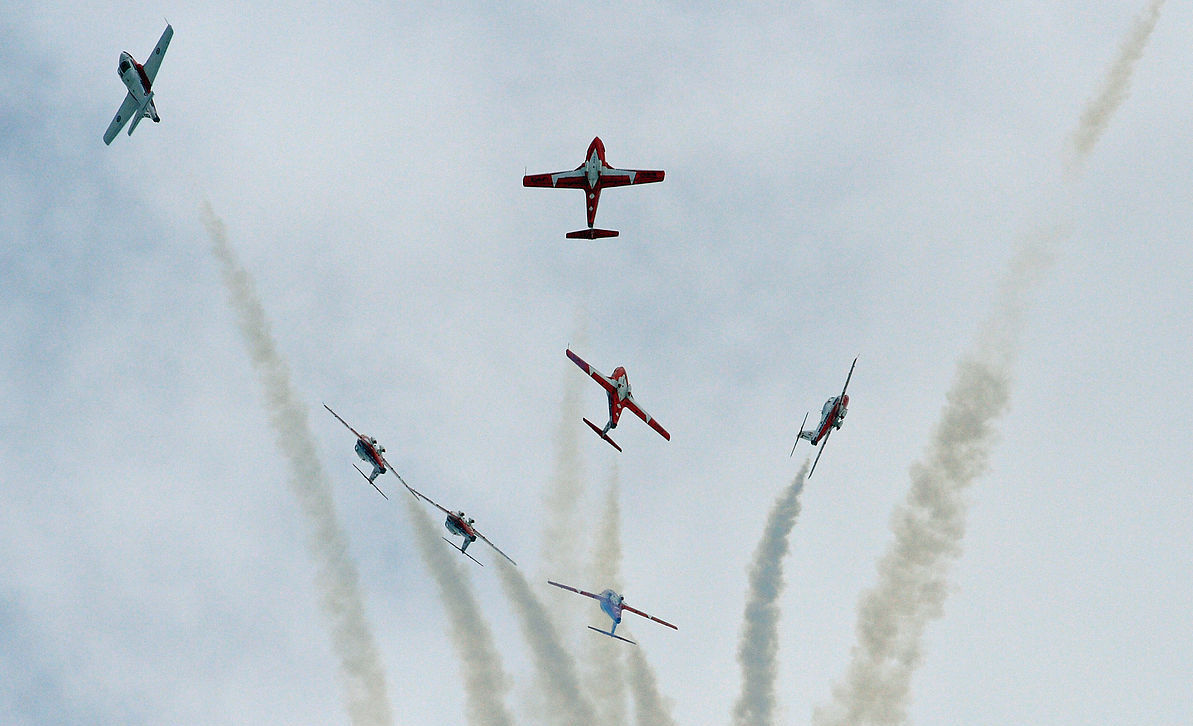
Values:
[(842, 181)]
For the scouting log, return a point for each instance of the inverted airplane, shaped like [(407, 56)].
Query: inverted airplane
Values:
[(613, 605), (370, 452), (138, 79), (459, 524), (831, 418), (617, 388), (592, 176)]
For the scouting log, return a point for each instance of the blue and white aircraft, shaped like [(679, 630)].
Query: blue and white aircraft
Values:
[(613, 605), (138, 104)]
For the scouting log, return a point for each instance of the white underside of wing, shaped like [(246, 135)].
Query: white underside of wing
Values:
[(123, 115)]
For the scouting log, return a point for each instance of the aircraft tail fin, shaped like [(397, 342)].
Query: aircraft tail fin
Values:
[(591, 233), (140, 114)]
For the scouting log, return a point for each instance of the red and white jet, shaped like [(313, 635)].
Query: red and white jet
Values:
[(831, 417), (613, 605), (458, 524), (138, 79), (618, 390), (371, 452), (592, 176)]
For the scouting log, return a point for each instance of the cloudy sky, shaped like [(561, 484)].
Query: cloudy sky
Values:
[(841, 181)]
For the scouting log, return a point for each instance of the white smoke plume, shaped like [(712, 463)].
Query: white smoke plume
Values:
[(565, 703), (336, 578), (485, 680), (651, 708), (565, 490), (758, 649), (1098, 112), (603, 668), (930, 525)]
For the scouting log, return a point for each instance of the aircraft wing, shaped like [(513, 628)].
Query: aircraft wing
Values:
[(596, 375), (154, 61), (333, 413), (399, 476), (126, 112), (848, 377), (648, 617), (419, 495), (633, 406), (611, 177), (556, 180), (495, 547), (578, 592)]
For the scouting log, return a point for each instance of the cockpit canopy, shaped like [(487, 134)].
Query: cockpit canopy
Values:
[(125, 64)]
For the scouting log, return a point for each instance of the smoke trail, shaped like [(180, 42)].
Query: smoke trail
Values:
[(930, 525), (651, 708), (565, 703), (1096, 116), (604, 674), (757, 651), (485, 681), (336, 578), (566, 488)]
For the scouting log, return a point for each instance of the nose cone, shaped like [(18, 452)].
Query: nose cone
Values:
[(845, 401), (598, 147)]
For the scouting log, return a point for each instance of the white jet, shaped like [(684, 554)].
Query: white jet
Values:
[(613, 605), (138, 104)]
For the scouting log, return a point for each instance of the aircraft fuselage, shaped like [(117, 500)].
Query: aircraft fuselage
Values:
[(611, 604), (368, 452), (132, 74), (458, 524), (832, 415)]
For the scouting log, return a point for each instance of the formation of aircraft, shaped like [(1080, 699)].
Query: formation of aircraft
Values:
[(831, 418), (617, 388), (370, 452), (592, 176), (613, 605), (138, 79)]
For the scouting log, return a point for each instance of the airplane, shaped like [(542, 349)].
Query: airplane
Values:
[(458, 524), (613, 605), (831, 417), (618, 390), (369, 450), (592, 176), (138, 104)]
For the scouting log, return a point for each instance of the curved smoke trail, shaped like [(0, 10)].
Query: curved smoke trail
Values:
[(336, 577), (485, 681), (930, 525), (565, 704), (758, 650)]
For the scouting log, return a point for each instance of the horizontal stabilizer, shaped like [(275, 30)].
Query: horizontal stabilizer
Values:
[(591, 233), (602, 434), (797, 438), (454, 547), (366, 476), (611, 635)]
